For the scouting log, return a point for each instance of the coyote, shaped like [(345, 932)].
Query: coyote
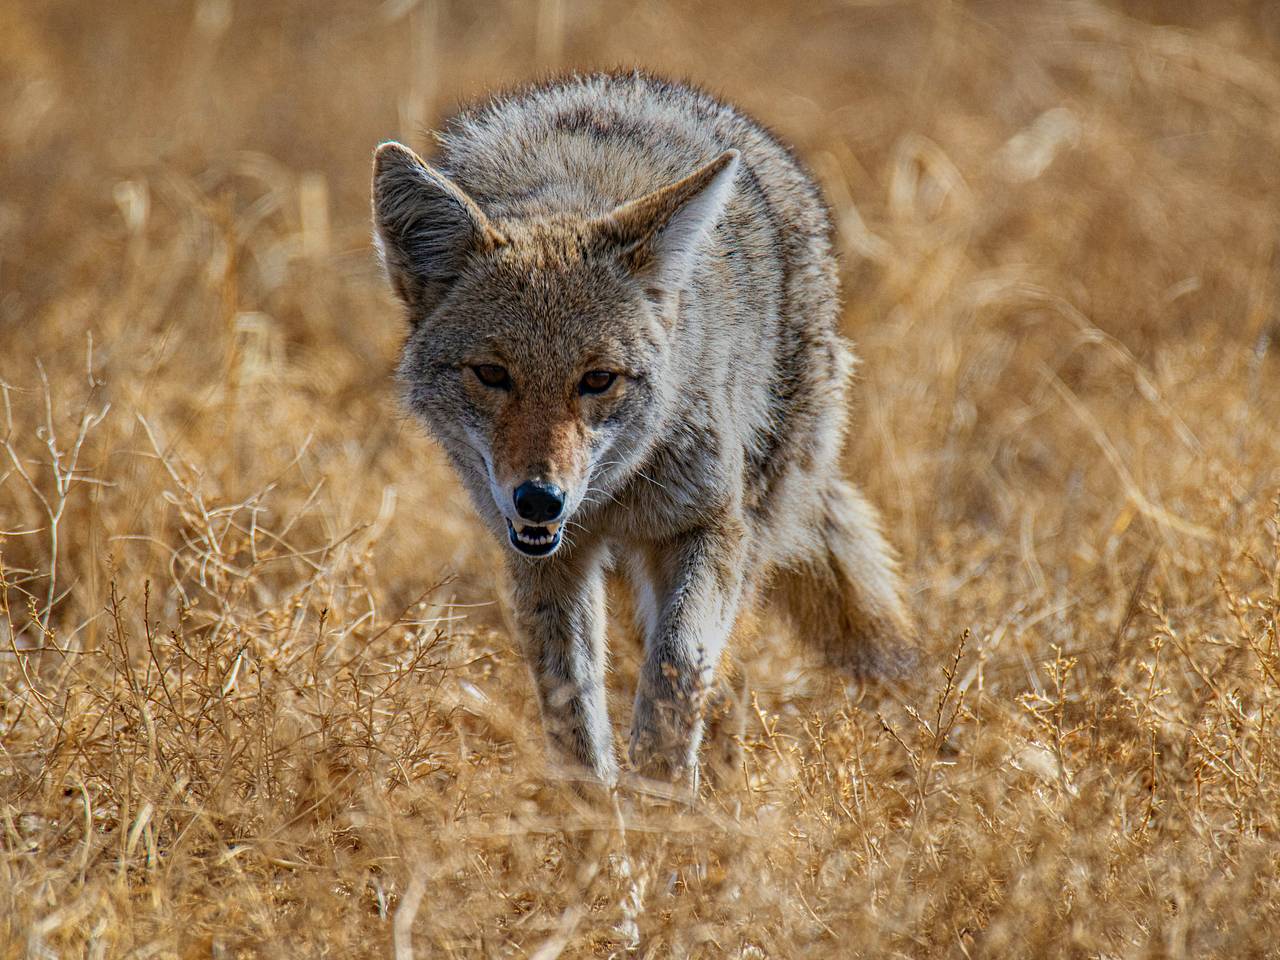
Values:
[(623, 312)]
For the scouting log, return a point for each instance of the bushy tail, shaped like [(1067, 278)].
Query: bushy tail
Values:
[(845, 598)]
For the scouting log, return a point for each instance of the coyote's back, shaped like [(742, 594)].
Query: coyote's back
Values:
[(623, 305), (583, 146)]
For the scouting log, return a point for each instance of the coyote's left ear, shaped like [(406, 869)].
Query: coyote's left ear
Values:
[(660, 235), (425, 225)]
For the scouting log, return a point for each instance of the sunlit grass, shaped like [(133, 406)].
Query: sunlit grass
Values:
[(259, 693)]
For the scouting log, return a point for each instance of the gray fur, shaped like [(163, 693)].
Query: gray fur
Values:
[(622, 223)]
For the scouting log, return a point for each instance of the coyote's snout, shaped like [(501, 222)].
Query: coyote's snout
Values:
[(540, 458), (623, 309)]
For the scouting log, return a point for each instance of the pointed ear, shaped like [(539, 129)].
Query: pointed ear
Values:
[(424, 225), (660, 235)]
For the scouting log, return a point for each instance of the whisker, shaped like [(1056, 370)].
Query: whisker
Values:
[(645, 476), (642, 474), (603, 491)]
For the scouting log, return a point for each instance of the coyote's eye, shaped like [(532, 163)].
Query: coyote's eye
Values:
[(492, 375), (597, 381)]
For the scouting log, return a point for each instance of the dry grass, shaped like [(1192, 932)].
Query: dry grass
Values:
[(258, 698)]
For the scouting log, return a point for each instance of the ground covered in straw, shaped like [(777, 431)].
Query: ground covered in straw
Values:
[(258, 695)]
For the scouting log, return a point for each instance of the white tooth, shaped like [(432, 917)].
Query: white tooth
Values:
[(524, 533)]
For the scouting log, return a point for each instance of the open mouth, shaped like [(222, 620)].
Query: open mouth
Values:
[(534, 541)]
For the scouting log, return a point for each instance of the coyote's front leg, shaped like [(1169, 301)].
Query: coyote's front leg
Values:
[(560, 607), (693, 591)]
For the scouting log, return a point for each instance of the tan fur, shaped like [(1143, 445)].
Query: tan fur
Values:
[(623, 224), (549, 443)]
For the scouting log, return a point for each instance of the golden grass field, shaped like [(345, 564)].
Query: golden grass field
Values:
[(258, 694)]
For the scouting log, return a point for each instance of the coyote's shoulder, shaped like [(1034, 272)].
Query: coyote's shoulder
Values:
[(624, 305)]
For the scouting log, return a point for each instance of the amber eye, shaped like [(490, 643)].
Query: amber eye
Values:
[(597, 381), (492, 375)]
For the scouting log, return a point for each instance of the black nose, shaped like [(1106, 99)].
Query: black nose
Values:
[(538, 502)]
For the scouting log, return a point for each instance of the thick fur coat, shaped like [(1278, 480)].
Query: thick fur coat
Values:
[(623, 307)]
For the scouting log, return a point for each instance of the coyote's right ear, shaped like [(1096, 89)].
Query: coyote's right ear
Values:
[(424, 225), (660, 235)]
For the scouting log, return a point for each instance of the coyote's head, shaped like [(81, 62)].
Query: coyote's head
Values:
[(538, 344)]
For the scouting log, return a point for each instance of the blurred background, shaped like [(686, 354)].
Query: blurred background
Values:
[(1058, 225), (1030, 199)]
